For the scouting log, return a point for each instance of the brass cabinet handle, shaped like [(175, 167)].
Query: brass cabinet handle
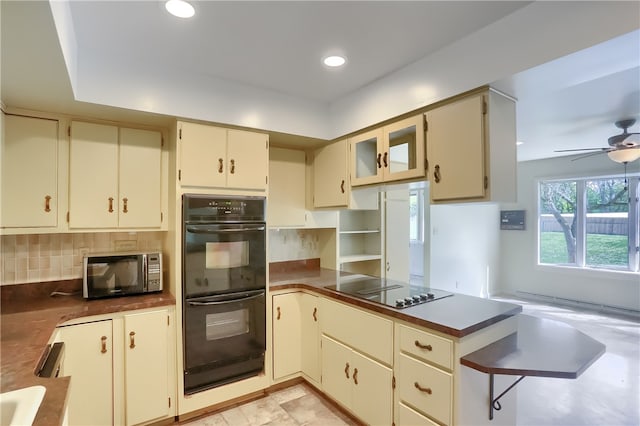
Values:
[(378, 161), (436, 173), (421, 346), (315, 314), (47, 203), (220, 165), (384, 160), (233, 166), (421, 389), (124, 207), (103, 340), (278, 309), (110, 204), (132, 339), (346, 370), (342, 186), (355, 376)]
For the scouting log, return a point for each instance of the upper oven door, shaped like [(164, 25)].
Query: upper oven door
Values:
[(223, 258)]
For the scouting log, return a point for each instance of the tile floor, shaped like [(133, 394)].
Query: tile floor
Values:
[(606, 394)]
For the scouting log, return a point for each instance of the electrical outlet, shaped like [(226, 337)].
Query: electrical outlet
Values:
[(124, 245)]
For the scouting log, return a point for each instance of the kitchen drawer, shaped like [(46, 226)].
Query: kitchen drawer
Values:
[(410, 417), (367, 333), (426, 346), (436, 395)]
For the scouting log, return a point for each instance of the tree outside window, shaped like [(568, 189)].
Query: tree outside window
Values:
[(589, 223)]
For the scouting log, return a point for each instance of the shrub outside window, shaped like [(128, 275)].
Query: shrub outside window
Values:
[(590, 223)]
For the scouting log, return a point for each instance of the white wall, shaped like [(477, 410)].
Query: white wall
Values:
[(465, 244), (519, 269)]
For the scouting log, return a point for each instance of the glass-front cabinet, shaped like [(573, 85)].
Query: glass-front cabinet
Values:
[(393, 152)]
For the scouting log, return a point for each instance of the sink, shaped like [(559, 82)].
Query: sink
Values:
[(19, 407)]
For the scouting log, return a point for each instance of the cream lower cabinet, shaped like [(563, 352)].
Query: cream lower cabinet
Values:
[(29, 173), (359, 383), (357, 360), (88, 359), (296, 340), (120, 369)]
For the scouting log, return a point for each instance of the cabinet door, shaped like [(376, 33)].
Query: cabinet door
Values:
[(286, 206), (310, 336), (404, 156), (366, 158), (140, 164), (93, 176), (88, 360), (29, 172), (455, 146), (247, 159), (203, 155), (372, 399), (337, 371), (146, 366), (286, 334), (330, 179)]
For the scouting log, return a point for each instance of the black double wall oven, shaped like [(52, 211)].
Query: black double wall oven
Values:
[(223, 286)]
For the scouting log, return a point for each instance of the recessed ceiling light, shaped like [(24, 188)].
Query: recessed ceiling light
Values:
[(180, 8), (334, 61)]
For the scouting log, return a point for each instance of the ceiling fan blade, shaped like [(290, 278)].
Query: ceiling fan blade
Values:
[(582, 149), (591, 154)]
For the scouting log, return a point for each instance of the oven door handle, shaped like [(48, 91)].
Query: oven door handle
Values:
[(241, 299), (216, 230)]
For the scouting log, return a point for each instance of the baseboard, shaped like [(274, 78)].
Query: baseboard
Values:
[(598, 307)]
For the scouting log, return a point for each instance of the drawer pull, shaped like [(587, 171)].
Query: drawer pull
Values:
[(103, 340), (220, 165), (47, 203), (355, 376), (346, 370), (315, 314), (421, 346), (278, 309), (110, 204), (421, 389), (132, 339)]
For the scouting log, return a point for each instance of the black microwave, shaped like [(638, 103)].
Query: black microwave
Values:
[(121, 274)]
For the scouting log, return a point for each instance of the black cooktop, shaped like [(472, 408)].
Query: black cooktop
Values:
[(387, 292)]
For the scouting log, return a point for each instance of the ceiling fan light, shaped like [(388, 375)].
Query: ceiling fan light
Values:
[(624, 155)]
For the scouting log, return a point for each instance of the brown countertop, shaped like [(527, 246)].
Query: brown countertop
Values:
[(458, 316), (29, 318), (540, 347)]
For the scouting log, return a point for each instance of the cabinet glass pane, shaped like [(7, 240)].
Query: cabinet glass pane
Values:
[(366, 158), (402, 149)]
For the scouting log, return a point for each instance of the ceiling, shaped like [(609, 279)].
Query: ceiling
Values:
[(275, 49)]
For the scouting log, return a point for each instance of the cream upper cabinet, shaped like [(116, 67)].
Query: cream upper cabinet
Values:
[(147, 367), (471, 149), (88, 359), (214, 157), (114, 177), (330, 176), (29, 173), (286, 205), (390, 153)]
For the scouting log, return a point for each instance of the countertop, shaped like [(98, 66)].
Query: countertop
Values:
[(458, 315), (27, 323)]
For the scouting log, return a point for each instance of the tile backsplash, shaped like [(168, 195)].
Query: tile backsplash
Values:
[(294, 244), (52, 257)]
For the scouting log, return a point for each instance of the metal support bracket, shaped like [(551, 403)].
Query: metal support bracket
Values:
[(494, 403)]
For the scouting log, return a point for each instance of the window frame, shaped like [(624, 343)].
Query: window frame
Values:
[(419, 192), (633, 261)]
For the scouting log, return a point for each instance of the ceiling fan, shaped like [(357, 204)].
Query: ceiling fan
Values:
[(623, 148)]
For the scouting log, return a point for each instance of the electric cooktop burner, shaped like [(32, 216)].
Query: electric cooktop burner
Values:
[(387, 292)]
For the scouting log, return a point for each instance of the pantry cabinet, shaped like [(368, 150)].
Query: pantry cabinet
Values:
[(215, 157), (114, 177), (29, 156), (120, 368), (390, 153), (88, 359), (471, 149)]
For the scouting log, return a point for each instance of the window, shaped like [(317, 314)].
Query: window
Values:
[(416, 214), (590, 223)]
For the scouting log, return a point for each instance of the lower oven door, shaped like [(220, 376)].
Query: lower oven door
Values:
[(224, 339)]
